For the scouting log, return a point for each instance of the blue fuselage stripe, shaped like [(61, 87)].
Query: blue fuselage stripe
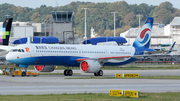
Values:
[(61, 60)]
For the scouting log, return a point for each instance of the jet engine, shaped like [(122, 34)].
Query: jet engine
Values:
[(90, 66), (44, 68)]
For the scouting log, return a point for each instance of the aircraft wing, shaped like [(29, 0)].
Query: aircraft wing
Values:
[(2, 50), (165, 51), (157, 52), (104, 59)]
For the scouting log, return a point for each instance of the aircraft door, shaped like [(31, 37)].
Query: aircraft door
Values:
[(106, 53), (32, 51), (81, 53)]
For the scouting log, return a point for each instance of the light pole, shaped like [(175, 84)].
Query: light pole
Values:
[(85, 22), (45, 27), (139, 19), (129, 32), (114, 23)]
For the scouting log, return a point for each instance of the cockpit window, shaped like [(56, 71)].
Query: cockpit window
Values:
[(19, 50), (14, 50), (22, 50)]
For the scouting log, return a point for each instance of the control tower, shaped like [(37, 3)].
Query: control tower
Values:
[(63, 22)]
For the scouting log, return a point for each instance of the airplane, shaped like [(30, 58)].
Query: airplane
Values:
[(4, 36), (90, 58)]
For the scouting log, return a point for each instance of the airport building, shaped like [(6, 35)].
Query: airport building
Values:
[(61, 26), (63, 22), (27, 29)]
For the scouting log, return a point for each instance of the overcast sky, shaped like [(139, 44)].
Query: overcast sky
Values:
[(38, 3)]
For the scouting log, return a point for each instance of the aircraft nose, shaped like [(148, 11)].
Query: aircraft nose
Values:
[(8, 57)]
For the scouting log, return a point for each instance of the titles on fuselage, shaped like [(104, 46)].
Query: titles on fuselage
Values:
[(55, 47)]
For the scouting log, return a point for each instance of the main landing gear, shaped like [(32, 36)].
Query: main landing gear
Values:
[(99, 73), (68, 72)]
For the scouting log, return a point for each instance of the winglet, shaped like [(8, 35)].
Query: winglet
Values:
[(170, 50)]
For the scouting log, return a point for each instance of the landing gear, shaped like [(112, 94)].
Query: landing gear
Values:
[(68, 72), (99, 73), (95, 74)]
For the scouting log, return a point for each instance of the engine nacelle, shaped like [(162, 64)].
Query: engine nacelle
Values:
[(90, 66), (44, 68)]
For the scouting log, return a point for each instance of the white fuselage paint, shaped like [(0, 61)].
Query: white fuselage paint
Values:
[(87, 51)]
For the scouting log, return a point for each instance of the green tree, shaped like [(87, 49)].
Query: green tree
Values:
[(35, 17), (130, 18)]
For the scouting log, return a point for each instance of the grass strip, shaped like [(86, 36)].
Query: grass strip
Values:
[(168, 96), (140, 77), (57, 74)]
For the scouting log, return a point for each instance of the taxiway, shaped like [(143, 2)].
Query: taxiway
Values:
[(57, 84)]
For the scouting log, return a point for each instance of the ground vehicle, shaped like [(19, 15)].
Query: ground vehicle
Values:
[(12, 71)]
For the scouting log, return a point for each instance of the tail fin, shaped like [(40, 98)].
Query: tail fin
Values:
[(170, 50), (144, 37), (5, 31)]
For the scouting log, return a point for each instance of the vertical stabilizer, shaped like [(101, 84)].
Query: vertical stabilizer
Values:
[(5, 31), (144, 37)]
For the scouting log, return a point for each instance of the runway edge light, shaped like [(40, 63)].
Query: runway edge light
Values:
[(113, 92), (131, 93)]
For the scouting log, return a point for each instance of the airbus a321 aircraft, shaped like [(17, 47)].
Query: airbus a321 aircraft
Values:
[(90, 58)]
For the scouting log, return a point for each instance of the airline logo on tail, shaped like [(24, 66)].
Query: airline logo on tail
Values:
[(5, 31), (144, 37), (3, 34)]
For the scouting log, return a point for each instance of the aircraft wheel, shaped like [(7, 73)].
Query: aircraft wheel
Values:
[(95, 74), (100, 73), (70, 72), (23, 74), (65, 72)]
